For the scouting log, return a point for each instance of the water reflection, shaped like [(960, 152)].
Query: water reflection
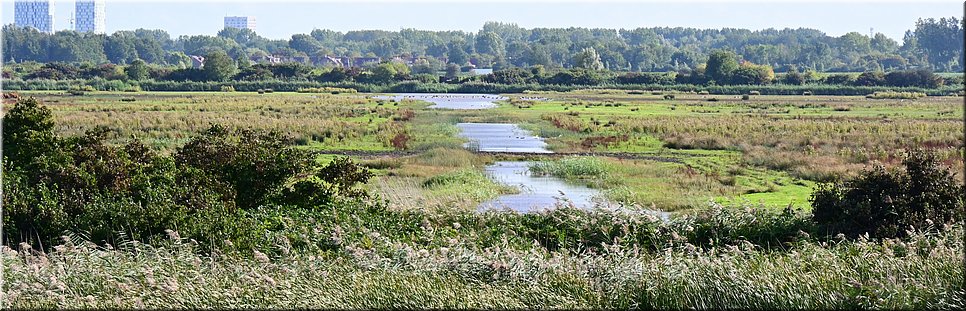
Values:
[(498, 137), (449, 101)]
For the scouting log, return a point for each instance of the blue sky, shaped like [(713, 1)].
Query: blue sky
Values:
[(282, 19)]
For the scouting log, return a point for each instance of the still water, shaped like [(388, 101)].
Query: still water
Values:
[(545, 192), (499, 137), (536, 192), (449, 101)]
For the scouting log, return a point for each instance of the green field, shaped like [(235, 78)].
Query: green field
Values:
[(735, 174), (768, 150)]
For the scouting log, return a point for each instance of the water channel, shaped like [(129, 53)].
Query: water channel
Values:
[(536, 192)]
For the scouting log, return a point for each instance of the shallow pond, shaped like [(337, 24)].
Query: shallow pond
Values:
[(449, 101), (545, 192), (499, 137), (536, 192)]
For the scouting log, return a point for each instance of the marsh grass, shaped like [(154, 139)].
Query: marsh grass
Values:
[(571, 168), (922, 272), (165, 120)]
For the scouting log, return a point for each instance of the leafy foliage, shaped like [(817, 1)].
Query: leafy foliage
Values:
[(886, 203), (52, 185)]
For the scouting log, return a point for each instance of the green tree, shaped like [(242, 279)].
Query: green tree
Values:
[(389, 71), (452, 70), (457, 53), (138, 70), (721, 66), (588, 59), (218, 66), (941, 40), (28, 133), (119, 48), (489, 42), (749, 73)]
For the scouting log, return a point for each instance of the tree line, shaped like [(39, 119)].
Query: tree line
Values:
[(935, 44), (723, 68)]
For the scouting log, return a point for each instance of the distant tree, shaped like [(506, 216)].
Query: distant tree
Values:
[(137, 70), (452, 70), (337, 74), (389, 71), (423, 66), (538, 55), (920, 78), (588, 59), (721, 65), (119, 48), (243, 61), (870, 79), (304, 43), (749, 73), (883, 44), (149, 50), (177, 59), (457, 53), (941, 40), (218, 66), (488, 42), (510, 76)]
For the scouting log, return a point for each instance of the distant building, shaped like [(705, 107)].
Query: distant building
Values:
[(89, 16), (197, 62), (240, 22), (345, 61), (265, 59), (38, 14), (481, 71)]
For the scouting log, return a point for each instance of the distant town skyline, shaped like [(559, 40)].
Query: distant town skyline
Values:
[(280, 20)]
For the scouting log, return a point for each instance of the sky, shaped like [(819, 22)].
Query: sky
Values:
[(281, 19)]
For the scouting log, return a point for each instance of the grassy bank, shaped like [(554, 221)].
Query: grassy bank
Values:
[(924, 272)]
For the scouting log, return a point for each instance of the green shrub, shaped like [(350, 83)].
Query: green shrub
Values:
[(896, 95), (886, 203), (53, 185)]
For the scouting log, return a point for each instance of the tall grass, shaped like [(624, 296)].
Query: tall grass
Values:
[(571, 168), (923, 272)]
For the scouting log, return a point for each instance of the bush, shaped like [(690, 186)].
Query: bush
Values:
[(896, 95), (53, 185), (886, 203)]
